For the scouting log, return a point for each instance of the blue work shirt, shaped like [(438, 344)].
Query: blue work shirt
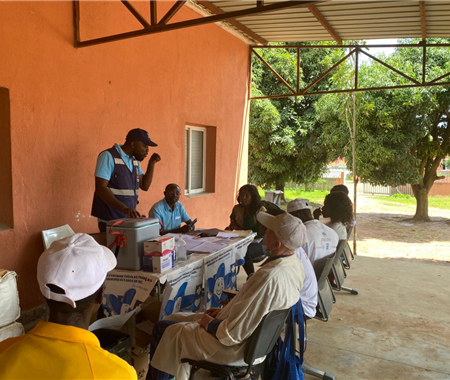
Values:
[(105, 165), (169, 219)]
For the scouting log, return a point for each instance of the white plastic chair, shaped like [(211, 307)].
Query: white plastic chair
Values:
[(49, 236)]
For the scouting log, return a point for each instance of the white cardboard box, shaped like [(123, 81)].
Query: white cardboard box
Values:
[(159, 246), (9, 298), (11, 331), (158, 264)]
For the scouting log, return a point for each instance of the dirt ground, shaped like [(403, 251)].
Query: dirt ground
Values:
[(383, 232)]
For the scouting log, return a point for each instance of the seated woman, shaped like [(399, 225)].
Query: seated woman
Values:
[(243, 217), (339, 208)]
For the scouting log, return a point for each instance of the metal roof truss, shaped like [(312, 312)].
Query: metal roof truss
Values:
[(356, 51)]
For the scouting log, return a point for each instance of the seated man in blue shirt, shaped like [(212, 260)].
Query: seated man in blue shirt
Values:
[(170, 212)]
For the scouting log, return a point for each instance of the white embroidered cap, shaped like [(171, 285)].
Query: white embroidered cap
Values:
[(298, 204), (77, 264), (289, 230)]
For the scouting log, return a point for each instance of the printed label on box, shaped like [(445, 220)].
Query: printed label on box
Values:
[(186, 292), (159, 246)]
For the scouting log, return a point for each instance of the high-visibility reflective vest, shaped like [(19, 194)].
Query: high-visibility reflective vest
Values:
[(124, 184)]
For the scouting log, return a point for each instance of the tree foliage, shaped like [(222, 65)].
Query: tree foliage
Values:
[(286, 140), (403, 134)]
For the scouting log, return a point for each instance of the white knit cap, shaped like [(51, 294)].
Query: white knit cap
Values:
[(298, 204), (289, 230), (77, 264)]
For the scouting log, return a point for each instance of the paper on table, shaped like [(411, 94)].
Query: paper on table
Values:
[(207, 247), (243, 233), (227, 234), (191, 244), (115, 322)]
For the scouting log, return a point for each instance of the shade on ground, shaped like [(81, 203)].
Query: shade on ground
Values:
[(398, 327)]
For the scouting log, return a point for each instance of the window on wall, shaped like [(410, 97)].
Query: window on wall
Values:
[(195, 160)]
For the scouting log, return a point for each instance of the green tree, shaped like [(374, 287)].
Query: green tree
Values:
[(403, 134), (286, 140)]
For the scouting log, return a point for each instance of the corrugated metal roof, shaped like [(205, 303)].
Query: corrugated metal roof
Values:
[(350, 20)]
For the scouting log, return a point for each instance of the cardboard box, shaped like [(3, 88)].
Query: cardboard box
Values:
[(140, 359), (159, 246), (159, 264), (150, 311)]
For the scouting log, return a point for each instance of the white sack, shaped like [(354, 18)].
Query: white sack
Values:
[(11, 331), (9, 298)]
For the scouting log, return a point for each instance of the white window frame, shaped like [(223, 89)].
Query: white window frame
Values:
[(188, 190)]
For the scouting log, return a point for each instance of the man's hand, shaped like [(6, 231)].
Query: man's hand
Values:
[(186, 228), (131, 213), (213, 312), (317, 212), (154, 158), (205, 320)]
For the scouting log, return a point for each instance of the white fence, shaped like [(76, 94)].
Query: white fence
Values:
[(387, 190)]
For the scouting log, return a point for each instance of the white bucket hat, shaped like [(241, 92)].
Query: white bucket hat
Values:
[(77, 264), (289, 230), (298, 204)]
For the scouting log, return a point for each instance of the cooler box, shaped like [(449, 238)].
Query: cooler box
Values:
[(136, 232)]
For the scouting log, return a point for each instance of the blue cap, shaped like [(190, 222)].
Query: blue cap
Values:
[(138, 134)]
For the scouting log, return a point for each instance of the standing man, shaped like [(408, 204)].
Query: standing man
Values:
[(118, 178), (170, 212)]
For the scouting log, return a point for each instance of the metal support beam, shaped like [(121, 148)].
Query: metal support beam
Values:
[(298, 70), (313, 9), (326, 73), (153, 12), (390, 67), (352, 46), (195, 22), (135, 13), (171, 12), (217, 11), (429, 84), (423, 19), (280, 78), (424, 61), (357, 49), (76, 22)]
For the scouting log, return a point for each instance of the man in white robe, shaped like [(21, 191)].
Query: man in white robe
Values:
[(219, 335)]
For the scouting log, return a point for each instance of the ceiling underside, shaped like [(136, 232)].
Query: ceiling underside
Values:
[(346, 20)]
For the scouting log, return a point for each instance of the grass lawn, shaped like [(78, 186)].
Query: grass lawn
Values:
[(314, 196), (437, 201)]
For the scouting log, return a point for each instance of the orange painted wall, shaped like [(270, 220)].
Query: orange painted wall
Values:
[(69, 104)]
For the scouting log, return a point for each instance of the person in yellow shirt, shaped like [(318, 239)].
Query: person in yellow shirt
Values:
[(71, 274)]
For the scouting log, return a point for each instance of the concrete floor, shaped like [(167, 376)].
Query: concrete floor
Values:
[(398, 327)]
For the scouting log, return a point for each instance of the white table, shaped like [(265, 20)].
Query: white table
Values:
[(215, 271)]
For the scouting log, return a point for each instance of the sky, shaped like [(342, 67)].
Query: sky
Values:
[(376, 51)]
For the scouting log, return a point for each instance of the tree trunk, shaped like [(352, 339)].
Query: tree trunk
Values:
[(421, 195), (281, 188)]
